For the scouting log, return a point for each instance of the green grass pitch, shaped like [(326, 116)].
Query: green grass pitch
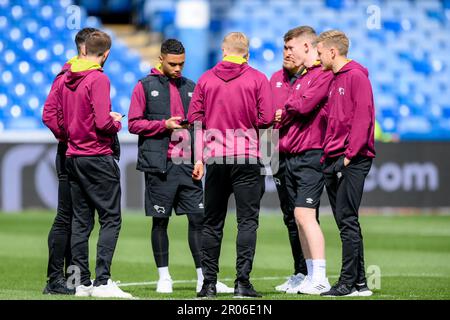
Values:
[(412, 253)]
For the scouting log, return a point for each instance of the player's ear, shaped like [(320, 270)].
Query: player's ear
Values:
[(333, 53), (306, 47), (161, 59), (83, 49), (104, 58)]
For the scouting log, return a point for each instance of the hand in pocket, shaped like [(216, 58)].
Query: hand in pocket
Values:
[(339, 165)]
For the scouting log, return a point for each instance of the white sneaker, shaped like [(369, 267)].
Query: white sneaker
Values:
[(110, 290), (315, 287), (363, 290), (223, 288), (164, 285), (366, 293), (84, 291), (199, 286), (220, 287), (296, 289), (291, 282)]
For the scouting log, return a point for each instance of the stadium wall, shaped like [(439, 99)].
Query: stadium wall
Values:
[(406, 174)]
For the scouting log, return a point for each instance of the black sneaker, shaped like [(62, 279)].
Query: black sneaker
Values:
[(245, 291), (58, 287), (341, 289), (208, 291), (363, 290)]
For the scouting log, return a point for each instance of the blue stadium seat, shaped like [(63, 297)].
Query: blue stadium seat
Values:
[(335, 4), (31, 55), (93, 6), (406, 57), (119, 5), (414, 126)]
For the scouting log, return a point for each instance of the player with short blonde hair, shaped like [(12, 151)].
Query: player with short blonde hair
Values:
[(348, 153)]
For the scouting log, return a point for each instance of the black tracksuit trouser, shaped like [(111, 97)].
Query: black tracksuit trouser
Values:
[(59, 253), (345, 189), (95, 185), (247, 184)]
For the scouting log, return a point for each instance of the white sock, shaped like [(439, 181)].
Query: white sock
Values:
[(319, 269), (164, 273), (199, 275), (309, 267)]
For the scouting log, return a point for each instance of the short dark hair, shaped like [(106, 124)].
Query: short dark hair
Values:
[(172, 46), (97, 43), (300, 31), (81, 36)]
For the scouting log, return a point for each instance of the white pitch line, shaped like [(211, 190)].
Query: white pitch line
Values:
[(412, 275), (191, 281)]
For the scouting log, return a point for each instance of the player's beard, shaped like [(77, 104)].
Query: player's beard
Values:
[(289, 66)]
